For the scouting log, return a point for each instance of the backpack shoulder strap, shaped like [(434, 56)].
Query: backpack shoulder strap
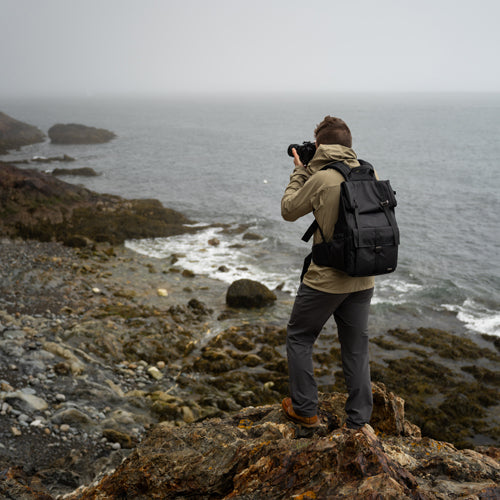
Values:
[(340, 167), (343, 169)]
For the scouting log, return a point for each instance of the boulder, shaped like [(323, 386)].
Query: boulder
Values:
[(73, 133), (15, 134), (247, 293)]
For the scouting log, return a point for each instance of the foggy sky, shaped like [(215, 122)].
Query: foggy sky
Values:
[(92, 47)]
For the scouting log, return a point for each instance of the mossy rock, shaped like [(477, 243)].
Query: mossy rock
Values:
[(245, 293)]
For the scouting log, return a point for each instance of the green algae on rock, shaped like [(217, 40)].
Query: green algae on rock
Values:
[(39, 206)]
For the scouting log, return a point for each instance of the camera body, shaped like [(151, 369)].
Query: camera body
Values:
[(305, 151)]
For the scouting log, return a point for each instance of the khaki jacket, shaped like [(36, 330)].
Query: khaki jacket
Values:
[(312, 190)]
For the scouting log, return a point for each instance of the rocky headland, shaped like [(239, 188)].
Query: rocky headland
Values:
[(14, 134), (123, 376), (40, 206)]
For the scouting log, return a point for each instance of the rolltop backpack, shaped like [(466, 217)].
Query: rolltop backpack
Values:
[(366, 235)]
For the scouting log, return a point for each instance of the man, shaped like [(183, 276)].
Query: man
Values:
[(325, 291)]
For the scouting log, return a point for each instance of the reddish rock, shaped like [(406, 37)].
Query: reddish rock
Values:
[(260, 454)]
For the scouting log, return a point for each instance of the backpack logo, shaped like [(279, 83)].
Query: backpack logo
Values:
[(366, 236)]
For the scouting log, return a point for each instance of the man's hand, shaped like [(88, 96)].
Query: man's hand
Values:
[(296, 159)]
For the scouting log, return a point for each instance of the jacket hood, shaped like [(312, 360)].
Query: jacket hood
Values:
[(328, 153)]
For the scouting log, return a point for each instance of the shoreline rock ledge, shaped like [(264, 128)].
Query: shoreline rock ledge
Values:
[(257, 453), (35, 205)]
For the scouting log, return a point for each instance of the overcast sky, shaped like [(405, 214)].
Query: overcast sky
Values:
[(93, 47)]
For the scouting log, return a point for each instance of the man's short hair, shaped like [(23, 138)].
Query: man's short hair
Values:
[(333, 131)]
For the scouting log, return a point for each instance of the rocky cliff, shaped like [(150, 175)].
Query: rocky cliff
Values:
[(14, 134)]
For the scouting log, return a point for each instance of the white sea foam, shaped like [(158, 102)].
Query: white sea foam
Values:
[(227, 262), (223, 261), (476, 317), (390, 290)]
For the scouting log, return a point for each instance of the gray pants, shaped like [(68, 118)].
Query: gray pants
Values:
[(310, 312)]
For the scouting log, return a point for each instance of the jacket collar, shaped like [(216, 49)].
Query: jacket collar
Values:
[(328, 153)]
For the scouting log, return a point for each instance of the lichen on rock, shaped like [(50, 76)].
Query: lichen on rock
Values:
[(257, 453)]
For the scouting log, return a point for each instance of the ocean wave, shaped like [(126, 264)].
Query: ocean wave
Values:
[(393, 291), (476, 317), (229, 259), (234, 258)]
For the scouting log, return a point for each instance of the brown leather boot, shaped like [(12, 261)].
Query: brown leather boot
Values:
[(287, 408)]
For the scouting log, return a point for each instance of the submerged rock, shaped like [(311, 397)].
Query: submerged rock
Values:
[(50, 159), (15, 134), (248, 293), (73, 133)]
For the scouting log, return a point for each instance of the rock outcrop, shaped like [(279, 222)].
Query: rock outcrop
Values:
[(257, 453), (86, 333), (73, 133), (249, 293), (15, 134), (83, 171), (40, 206)]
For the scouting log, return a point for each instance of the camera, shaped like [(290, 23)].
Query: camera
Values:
[(305, 151)]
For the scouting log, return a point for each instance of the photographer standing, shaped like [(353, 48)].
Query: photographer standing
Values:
[(325, 291)]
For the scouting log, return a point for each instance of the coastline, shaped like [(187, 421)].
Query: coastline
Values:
[(95, 356)]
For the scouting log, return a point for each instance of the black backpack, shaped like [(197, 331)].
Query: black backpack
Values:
[(366, 235)]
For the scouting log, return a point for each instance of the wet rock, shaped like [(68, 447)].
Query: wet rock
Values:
[(84, 171), (115, 436), (73, 133), (199, 308), (247, 293), (40, 206), (252, 237), (50, 159), (214, 360), (15, 134)]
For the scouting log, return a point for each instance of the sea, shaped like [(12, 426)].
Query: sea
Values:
[(222, 159)]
